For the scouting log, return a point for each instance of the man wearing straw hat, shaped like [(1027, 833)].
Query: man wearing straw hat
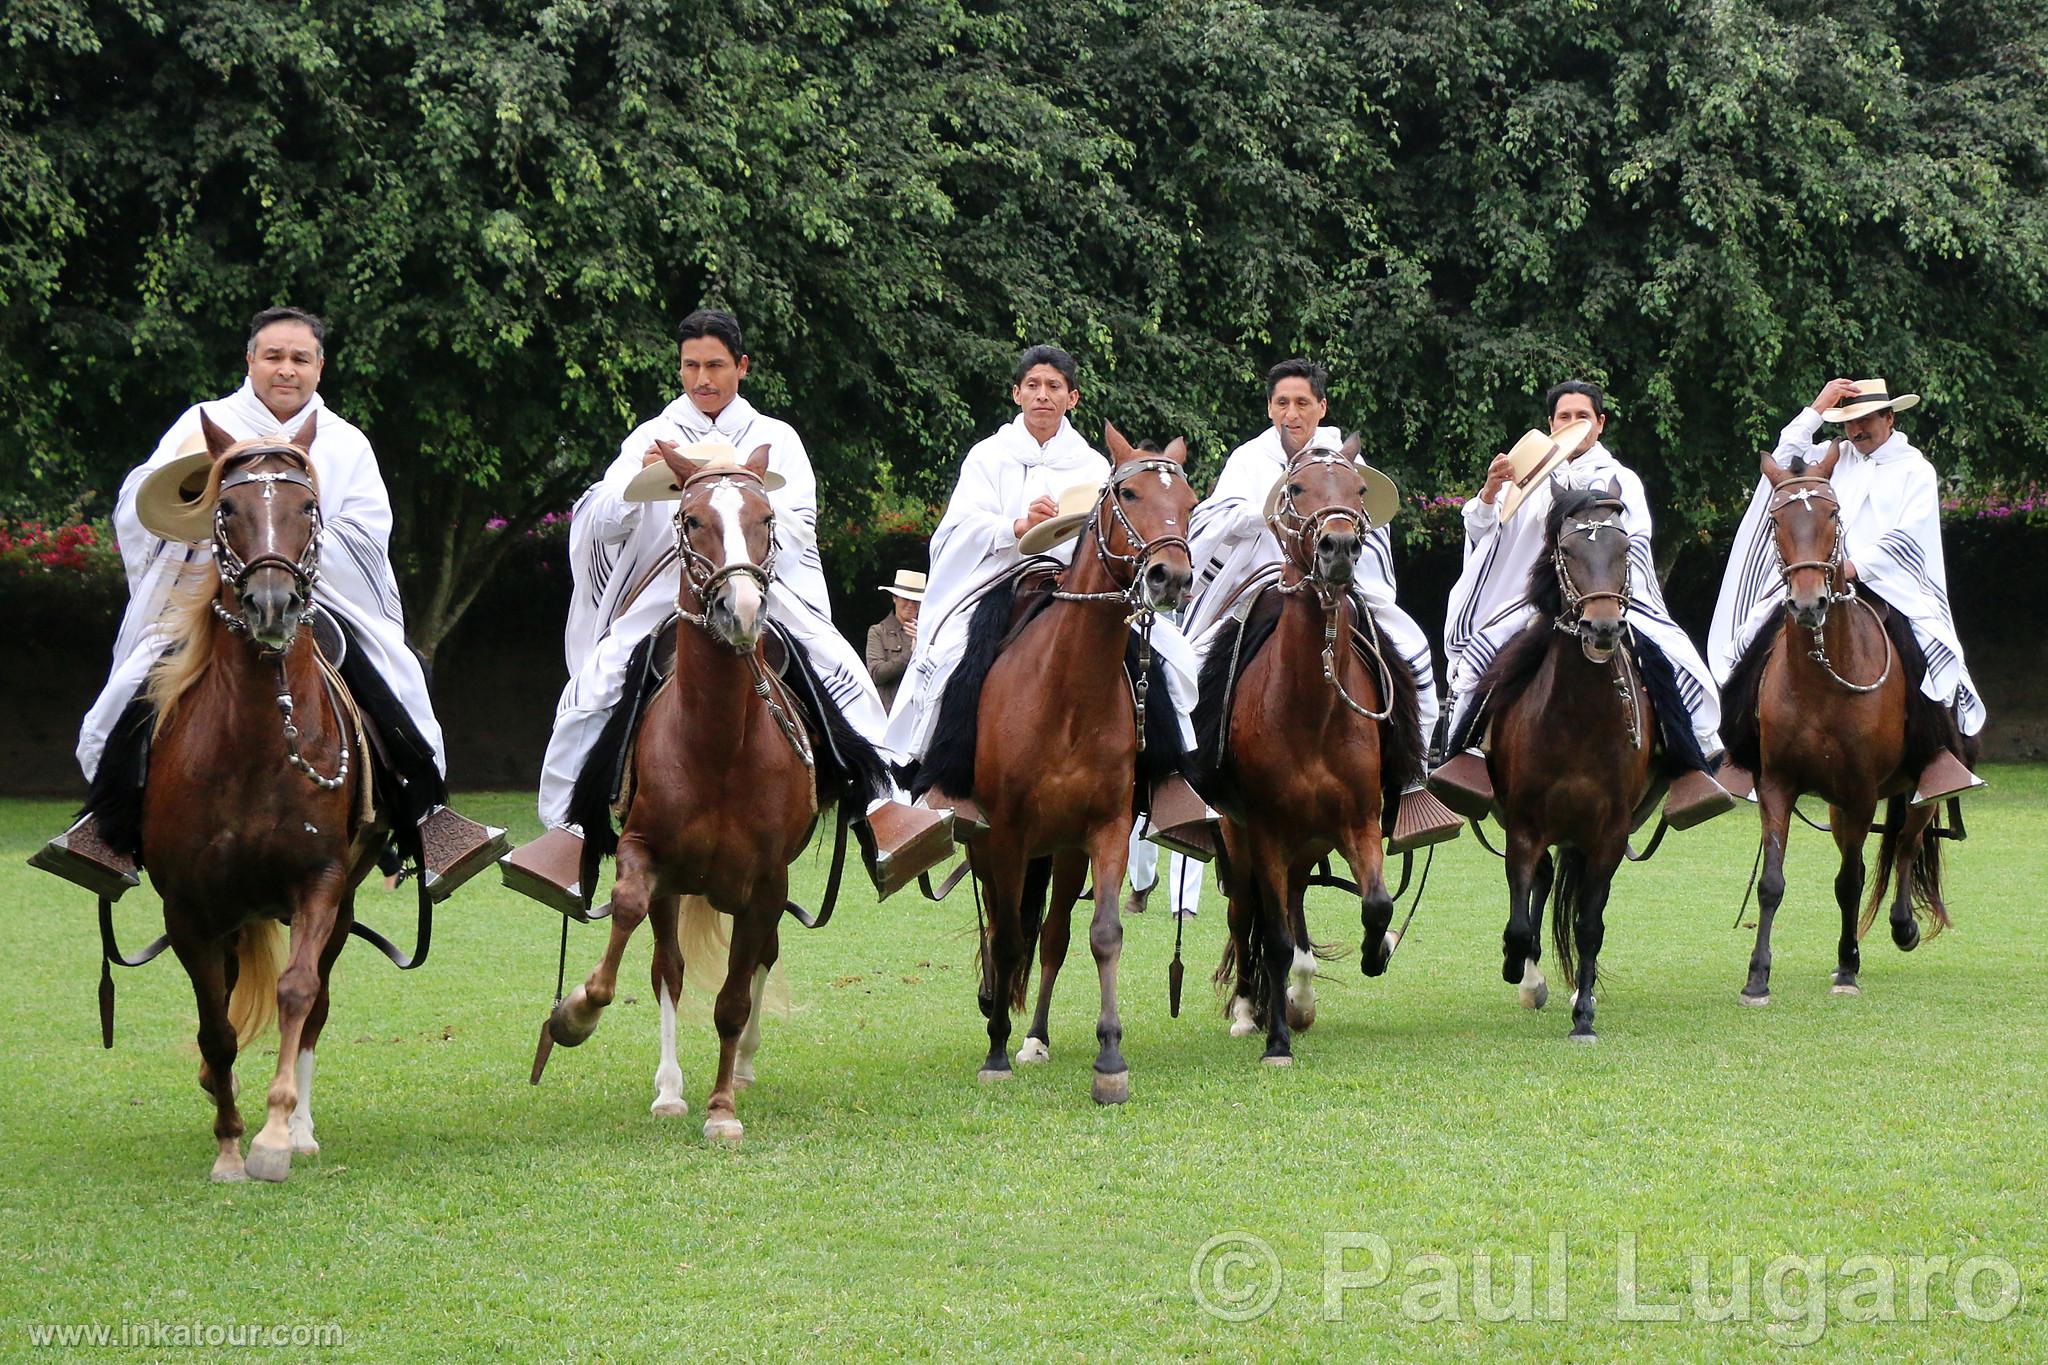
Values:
[(891, 638), (163, 545), (1489, 605), (1891, 527), (626, 579)]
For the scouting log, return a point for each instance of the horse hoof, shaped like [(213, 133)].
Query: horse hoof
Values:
[(1033, 1051), (1278, 1059), (1393, 942), (1242, 1028), (268, 1163), (568, 1034), (1113, 1088), (1534, 997), (1844, 985), (989, 1075), (305, 1146), (726, 1130), (1756, 1001), (1907, 937), (1241, 1022), (1299, 1020), (1587, 1036), (669, 1109), (227, 1171)]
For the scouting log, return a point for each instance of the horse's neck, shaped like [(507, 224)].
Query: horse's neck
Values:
[(1852, 638), (1084, 628), (718, 682), (1297, 647), (1580, 698), (233, 704)]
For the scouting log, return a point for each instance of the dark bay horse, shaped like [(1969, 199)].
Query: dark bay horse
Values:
[(1821, 705), (251, 818), (1316, 733), (726, 781), (1573, 724), (1055, 748)]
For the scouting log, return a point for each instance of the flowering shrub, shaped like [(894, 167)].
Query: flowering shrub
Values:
[(2029, 504), (83, 549)]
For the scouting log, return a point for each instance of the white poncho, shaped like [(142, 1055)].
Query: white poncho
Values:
[(1891, 517), (356, 582), (1489, 604)]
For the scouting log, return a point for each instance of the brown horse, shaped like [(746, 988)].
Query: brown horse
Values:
[(1830, 689), (248, 820), (1312, 727), (1573, 724), (725, 789), (1055, 744)]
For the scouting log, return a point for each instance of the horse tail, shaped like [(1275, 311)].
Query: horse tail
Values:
[(704, 937), (1567, 889), (1921, 877), (259, 960)]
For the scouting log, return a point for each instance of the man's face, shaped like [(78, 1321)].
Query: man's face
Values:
[(1044, 397), (906, 610), (1577, 407), (1296, 411), (711, 374), (1870, 431), (284, 366)]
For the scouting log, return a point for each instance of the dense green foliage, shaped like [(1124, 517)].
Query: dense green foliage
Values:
[(504, 207)]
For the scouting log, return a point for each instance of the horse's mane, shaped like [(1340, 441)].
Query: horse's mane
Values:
[(948, 763), (187, 619), (1514, 668)]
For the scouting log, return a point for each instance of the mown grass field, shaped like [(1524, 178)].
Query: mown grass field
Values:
[(885, 1204)]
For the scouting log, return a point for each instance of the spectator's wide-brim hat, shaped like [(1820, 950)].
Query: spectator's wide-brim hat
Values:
[(658, 483), (1872, 395), (172, 500), (1534, 457), (1382, 498), (909, 585), (1076, 504)]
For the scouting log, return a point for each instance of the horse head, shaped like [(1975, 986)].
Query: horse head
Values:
[(1806, 532), (1318, 513), (266, 530), (725, 533), (1589, 552), (1142, 522)]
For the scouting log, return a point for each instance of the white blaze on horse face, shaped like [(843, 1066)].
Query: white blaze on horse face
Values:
[(668, 1076), (742, 593)]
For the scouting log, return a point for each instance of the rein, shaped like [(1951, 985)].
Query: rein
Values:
[(1812, 487), (1299, 531)]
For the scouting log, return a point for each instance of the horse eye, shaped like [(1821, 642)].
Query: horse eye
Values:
[(1295, 490), (1128, 495), (692, 524)]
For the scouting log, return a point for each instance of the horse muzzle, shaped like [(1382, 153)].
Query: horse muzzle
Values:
[(1337, 556), (736, 614), (1809, 613), (273, 601), (1166, 584)]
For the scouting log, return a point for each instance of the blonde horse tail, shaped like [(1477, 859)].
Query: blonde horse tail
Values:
[(705, 937), (260, 954)]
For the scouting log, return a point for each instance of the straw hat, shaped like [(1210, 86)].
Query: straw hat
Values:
[(1382, 498), (909, 585), (172, 500), (658, 483), (1076, 505), (1871, 396), (1534, 457)]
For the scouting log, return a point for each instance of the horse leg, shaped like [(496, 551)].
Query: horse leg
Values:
[(753, 942), (1241, 915), (207, 965), (575, 1018), (750, 1037), (1774, 800), (1001, 870), (316, 914), (1266, 878), (666, 972), (1301, 966), (1528, 864), (1111, 1083), (1069, 875), (1851, 827), (1905, 868), (300, 1124), (1365, 851), (1589, 930)]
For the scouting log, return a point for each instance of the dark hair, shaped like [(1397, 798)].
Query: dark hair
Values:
[(275, 315), (1579, 386), (1318, 378), (713, 322), (1048, 355)]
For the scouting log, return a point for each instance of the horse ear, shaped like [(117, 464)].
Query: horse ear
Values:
[(304, 440), (1177, 451), (1774, 473), (217, 441), (758, 461), (1119, 449), (1826, 468), (1614, 489), (678, 464), (1352, 445)]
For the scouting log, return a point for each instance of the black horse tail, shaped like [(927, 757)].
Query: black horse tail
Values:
[(948, 764), (1257, 981), (1921, 877), (1567, 889), (1030, 916)]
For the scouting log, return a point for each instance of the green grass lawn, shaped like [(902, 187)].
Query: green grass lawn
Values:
[(884, 1203)]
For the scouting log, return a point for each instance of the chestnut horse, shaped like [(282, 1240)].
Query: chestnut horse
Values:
[(1573, 725), (1829, 691), (1056, 749), (1313, 729), (725, 790), (249, 819)]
